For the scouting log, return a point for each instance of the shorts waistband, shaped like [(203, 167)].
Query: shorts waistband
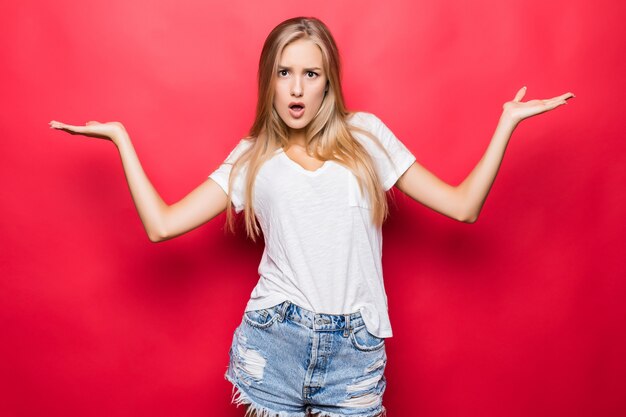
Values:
[(318, 321)]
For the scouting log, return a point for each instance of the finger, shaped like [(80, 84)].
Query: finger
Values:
[(56, 125), (560, 99), (552, 100), (565, 96), (69, 128), (520, 94), (554, 103)]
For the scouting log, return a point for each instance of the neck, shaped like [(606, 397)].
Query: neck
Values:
[(297, 137)]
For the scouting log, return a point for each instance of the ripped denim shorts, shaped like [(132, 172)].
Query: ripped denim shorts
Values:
[(286, 361)]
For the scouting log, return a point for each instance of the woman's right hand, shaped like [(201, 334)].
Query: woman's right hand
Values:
[(161, 221), (112, 131)]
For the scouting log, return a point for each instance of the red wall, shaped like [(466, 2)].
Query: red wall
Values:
[(520, 314)]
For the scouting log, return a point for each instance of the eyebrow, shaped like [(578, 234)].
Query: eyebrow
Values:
[(282, 67)]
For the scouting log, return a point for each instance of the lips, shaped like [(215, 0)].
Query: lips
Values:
[(296, 109)]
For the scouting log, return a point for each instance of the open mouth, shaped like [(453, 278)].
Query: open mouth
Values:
[(296, 110)]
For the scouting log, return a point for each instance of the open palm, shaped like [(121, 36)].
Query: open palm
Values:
[(109, 130), (518, 110)]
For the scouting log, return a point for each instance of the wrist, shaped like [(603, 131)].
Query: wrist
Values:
[(120, 139), (508, 121)]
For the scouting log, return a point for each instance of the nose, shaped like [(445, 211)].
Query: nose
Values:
[(296, 87)]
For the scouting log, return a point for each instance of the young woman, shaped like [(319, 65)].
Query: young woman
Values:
[(314, 177)]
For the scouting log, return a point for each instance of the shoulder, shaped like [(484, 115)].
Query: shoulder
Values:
[(243, 145), (363, 120), (368, 125)]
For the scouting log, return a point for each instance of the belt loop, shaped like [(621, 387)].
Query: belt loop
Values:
[(347, 328), (283, 311)]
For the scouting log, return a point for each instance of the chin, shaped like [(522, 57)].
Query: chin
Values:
[(298, 126), (295, 124)]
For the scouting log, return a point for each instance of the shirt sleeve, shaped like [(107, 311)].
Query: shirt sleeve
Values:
[(222, 174), (401, 157)]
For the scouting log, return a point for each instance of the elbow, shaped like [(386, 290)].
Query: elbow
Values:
[(154, 239), (466, 208), (467, 217), (158, 228), (471, 219), (156, 236)]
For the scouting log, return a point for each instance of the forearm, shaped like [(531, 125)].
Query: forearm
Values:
[(475, 188), (149, 204), (465, 201)]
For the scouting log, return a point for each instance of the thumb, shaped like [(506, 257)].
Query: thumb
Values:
[(520, 94)]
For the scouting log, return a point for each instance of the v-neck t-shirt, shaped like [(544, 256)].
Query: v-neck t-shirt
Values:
[(322, 251)]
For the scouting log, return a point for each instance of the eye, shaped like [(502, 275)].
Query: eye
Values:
[(283, 73), (311, 74)]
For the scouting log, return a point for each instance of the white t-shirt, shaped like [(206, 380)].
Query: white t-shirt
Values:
[(322, 251)]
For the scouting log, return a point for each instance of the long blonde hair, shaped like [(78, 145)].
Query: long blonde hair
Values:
[(328, 135)]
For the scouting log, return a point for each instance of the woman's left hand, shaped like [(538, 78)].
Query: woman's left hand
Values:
[(516, 110)]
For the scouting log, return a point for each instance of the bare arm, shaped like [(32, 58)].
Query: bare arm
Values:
[(465, 201), (160, 220)]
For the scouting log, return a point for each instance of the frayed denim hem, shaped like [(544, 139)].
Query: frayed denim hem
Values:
[(379, 413), (239, 397)]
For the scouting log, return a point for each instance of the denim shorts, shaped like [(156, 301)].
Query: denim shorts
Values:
[(286, 361)]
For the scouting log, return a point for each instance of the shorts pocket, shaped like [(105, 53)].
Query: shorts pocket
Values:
[(262, 318), (364, 340)]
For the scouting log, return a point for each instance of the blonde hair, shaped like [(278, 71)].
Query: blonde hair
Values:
[(328, 135)]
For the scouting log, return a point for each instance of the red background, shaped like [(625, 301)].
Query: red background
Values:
[(520, 314)]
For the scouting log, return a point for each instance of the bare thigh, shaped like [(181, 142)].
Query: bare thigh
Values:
[(318, 414), (254, 414)]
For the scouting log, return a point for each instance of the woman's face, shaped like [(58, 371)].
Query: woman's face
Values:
[(300, 82)]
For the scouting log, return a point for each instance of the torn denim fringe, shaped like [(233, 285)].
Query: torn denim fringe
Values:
[(240, 398)]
